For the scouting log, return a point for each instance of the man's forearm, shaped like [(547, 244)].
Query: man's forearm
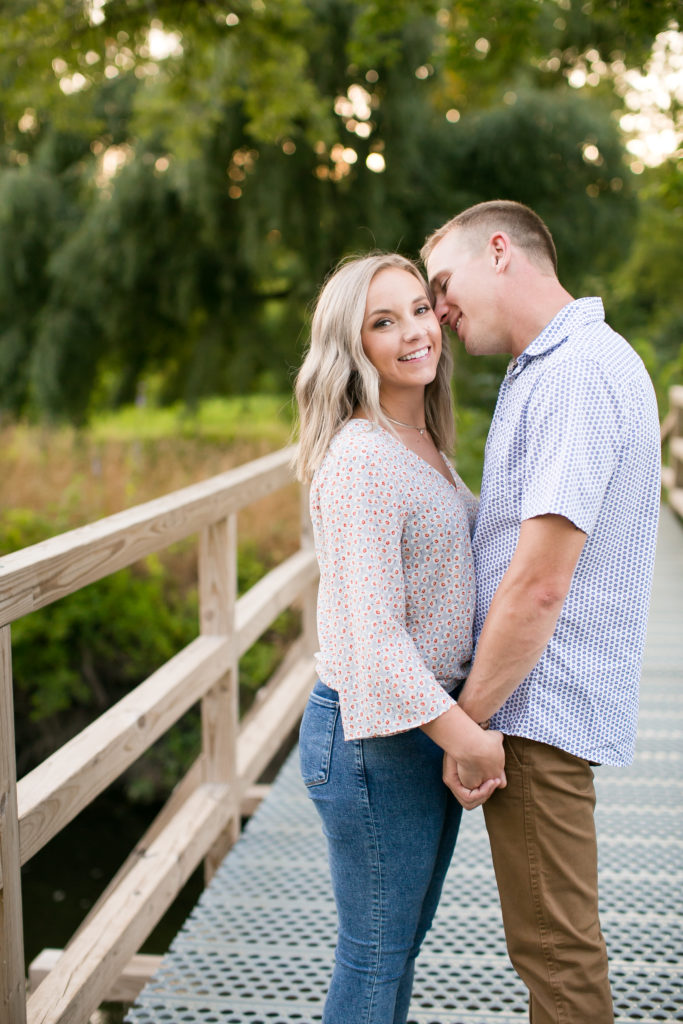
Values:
[(523, 613), (515, 634)]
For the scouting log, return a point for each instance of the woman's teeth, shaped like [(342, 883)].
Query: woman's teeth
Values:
[(414, 355)]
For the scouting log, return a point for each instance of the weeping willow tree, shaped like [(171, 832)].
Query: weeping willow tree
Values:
[(176, 179)]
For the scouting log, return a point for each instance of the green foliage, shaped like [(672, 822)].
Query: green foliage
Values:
[(246, 418), (522, 34), (383, 34), (194, 265), (75, 658), (30, 209), (471, 425), (532, 150), (99, 638), (647, 303)]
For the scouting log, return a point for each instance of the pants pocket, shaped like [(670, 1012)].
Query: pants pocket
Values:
[(315, 739), (514, 747)]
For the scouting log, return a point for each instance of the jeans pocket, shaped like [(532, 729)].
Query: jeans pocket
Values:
[(315, 739)]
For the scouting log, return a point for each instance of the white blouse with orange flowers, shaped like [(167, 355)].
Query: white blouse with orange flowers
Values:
[(396, 598)]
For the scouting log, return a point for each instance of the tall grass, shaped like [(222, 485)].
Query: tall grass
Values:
[(74, 477)]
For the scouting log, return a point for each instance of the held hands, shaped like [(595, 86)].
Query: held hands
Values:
[(474, 764), (474, 777)]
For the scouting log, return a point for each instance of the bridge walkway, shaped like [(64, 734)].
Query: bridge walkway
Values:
[(258, 947)]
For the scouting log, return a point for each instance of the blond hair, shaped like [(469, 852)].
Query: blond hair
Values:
[(336, 376), (525, 228)]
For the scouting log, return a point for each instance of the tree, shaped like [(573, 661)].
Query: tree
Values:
[(648, 306), (32, 210), (207, 168)]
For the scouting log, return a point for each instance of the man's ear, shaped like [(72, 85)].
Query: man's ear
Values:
[(500, 248)]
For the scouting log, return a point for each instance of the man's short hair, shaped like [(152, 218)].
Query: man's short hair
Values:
[(525, 228)]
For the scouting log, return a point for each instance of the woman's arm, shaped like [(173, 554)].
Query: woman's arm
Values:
[(478, 754), (362, 503)]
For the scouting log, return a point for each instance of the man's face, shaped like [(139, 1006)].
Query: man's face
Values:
[(464, 282)]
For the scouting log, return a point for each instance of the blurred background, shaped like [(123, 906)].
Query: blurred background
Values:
[(177, 178)]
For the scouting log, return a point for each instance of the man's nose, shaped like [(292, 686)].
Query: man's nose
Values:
[(441, 310)]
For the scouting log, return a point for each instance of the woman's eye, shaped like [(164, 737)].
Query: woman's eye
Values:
[(424, 308), (383, 322)]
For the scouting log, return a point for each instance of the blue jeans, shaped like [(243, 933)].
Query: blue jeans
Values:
[(391, 827)]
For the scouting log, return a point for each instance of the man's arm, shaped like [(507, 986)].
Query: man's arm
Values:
[(523, 613), (520, 621)]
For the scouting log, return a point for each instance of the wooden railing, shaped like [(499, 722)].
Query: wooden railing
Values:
[(672, 433), (202, 817)]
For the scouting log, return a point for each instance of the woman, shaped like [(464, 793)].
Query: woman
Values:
[(392, 531)]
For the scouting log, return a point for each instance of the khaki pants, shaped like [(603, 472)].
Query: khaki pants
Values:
[(544, 850)]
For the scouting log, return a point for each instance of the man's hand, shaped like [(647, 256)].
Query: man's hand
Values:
[(469, 798)]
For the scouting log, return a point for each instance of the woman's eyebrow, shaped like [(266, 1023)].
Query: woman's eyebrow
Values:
[(376, 312)]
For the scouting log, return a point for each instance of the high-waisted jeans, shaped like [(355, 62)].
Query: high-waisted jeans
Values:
[(391, 827)]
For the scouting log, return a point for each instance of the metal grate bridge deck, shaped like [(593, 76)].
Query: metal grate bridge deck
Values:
[(258, 947)]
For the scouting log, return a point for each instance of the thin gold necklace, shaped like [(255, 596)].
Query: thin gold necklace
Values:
[(400, 423)]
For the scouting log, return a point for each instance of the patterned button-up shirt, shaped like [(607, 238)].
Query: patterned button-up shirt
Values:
[(576, 433)]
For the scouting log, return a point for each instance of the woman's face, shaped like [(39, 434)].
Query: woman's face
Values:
[(400, 334)]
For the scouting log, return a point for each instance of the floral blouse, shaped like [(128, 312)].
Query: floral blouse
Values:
[(396, 598)]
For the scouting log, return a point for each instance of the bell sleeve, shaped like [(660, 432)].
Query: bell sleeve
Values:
[(384, 686)]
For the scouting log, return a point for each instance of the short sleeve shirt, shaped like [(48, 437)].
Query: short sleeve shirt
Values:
[(396, 596), (576, 433)]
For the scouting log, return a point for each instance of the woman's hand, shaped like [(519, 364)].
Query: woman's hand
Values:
[(481, 759), (469, 798), (475, 760), (480, 770)]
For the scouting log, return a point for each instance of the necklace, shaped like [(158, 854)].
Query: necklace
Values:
[(400, 423)]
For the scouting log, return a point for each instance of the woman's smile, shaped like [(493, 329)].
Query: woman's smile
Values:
[(420, 353)]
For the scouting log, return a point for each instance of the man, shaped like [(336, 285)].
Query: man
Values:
[(564, 551)]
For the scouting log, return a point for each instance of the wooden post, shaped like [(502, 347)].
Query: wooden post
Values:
[(309, 598), (220, 706), (12, 981)]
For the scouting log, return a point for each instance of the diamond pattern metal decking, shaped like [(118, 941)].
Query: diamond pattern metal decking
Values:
[(258, 947)]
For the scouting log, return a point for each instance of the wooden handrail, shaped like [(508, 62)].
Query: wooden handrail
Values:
[(202, 817), (92, 962), (44, 572), (50, 796), (672, 433)]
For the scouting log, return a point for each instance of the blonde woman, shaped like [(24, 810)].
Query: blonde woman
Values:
[(392, 527)]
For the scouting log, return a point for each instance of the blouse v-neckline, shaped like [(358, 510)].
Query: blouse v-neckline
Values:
[(452, 483)]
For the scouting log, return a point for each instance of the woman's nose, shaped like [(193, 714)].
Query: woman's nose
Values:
[(413, 328)]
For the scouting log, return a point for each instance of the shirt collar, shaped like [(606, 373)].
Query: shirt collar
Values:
[(572, 316)]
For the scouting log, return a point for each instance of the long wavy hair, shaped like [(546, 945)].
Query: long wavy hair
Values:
[(336, 376)]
